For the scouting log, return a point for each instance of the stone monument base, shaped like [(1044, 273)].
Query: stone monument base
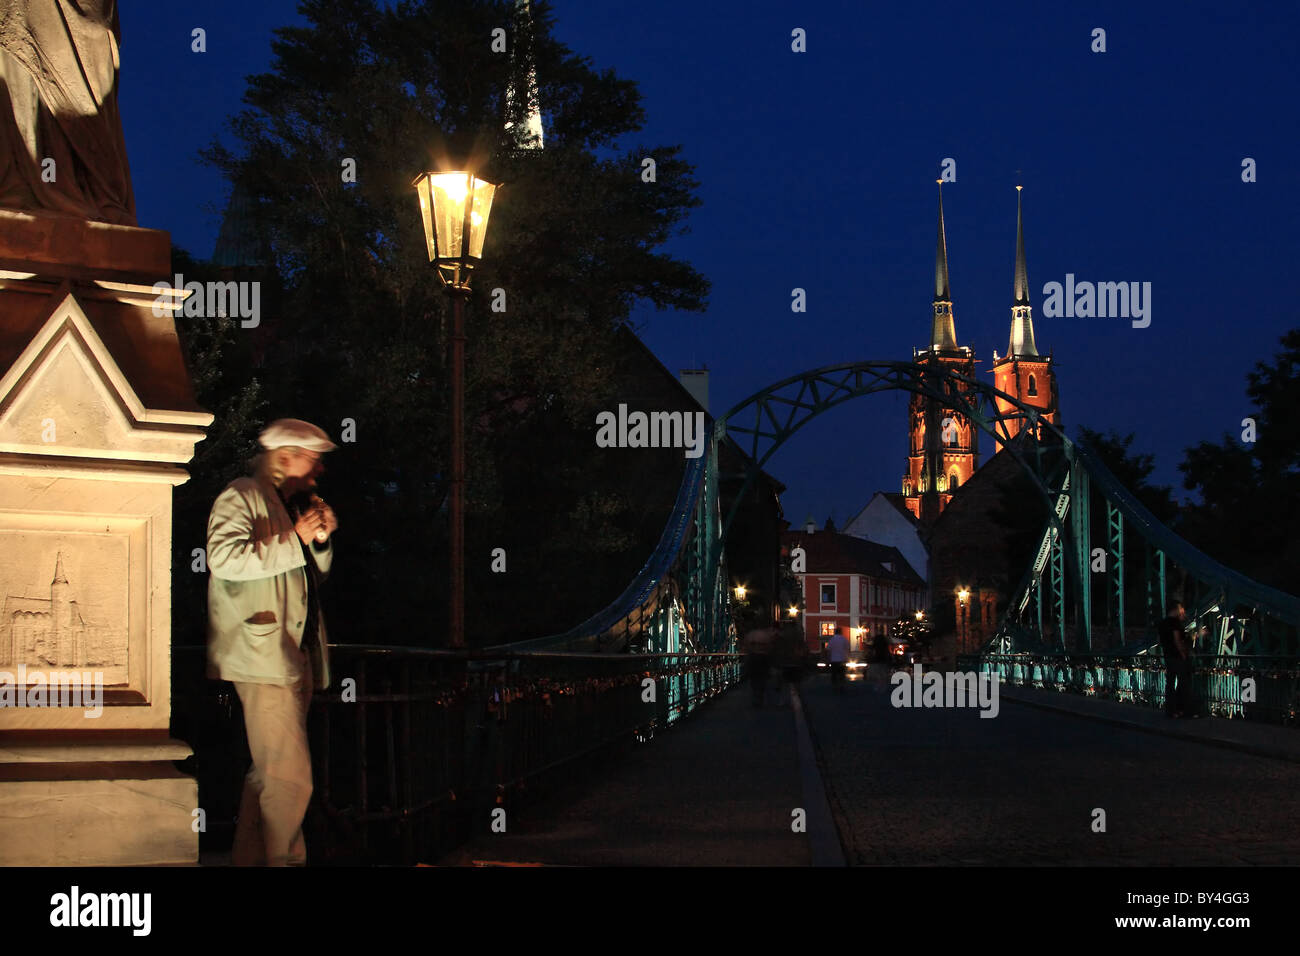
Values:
[(97, 420), (96, 804)]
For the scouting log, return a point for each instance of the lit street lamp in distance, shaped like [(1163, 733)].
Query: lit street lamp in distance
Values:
[(454, 208), (963, 594)]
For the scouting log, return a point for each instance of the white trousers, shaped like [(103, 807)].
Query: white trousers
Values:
[(278, 786)]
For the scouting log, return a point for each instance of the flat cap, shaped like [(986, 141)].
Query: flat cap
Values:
[(294, 431)]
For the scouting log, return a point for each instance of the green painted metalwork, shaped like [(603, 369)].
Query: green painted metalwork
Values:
[(766, 420), (1058, 587), (1246, 618), (1081, 525), (1115, 539)]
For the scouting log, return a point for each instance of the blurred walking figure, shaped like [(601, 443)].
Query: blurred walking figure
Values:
[(793, 657), (837, 655), (269, 549), (758, 646)]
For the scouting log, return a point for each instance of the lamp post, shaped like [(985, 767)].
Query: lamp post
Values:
[(454, 208)]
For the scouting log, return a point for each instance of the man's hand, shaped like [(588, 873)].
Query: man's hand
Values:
[(327, 514), (308, 523)]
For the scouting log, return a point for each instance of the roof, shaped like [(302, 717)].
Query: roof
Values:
[(892, 497), (728, 445), (830, 552)]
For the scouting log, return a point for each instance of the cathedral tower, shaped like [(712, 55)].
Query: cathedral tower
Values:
[(943, 445), (1022, 372)]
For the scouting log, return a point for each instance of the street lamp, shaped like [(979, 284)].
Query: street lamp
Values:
[(962, 595), (794, 610), (454, 208), (740, 592)]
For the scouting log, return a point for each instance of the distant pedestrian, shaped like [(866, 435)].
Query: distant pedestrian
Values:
[(837, 655), (758, 646), (1177, 646)]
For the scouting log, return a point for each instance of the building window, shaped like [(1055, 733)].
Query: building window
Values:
[(1033, 386), (828, 628), (828, 594), (952, 482)]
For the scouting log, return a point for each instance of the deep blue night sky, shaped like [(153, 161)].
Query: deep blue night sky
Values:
[(817, 170)]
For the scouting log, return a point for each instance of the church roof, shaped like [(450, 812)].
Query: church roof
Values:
[(943, 333), (1022, 323), (830, 552), (894, 498), (239, 243)]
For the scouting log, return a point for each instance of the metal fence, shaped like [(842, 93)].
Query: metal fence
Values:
[(1220, 685), (412, 748)]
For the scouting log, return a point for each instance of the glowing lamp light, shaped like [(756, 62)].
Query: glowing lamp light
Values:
[(794, 610), (740, 592), (963, 594), (454, 208), (920, 615)]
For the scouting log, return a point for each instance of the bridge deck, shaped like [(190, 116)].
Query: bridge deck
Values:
[(715, 790), (926, 786)]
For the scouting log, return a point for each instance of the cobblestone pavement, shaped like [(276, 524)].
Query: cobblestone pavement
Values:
[(946, 787)]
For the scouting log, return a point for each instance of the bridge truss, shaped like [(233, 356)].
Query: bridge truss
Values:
[(680, 600)]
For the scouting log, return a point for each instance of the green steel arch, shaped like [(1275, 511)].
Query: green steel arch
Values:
[(1245, 617), (764, 421)]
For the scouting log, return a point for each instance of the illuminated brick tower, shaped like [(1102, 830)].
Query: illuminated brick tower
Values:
[(1022, 372), (943, 448)]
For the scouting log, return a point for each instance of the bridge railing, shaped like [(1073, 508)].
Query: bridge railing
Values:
[(412, 749), (1219, 683)]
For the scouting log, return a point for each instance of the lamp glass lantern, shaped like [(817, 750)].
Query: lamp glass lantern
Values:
[(455, 208)]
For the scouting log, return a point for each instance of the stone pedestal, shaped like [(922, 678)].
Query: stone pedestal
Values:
[(97, 418)]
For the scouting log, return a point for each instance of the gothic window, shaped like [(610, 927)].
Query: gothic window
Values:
[(1033, 386), (952, 482), (939, 486)]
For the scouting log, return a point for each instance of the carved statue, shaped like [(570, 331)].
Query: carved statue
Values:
[(61, 144)]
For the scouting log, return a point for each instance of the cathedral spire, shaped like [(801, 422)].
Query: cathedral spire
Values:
[(527, 135), (1022, 322), (943, 335)]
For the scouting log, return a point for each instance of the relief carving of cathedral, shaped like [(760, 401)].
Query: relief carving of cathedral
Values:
[(52, 628)]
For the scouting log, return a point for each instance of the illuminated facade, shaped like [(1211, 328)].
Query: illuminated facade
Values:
[(852, 587), (943, 446)]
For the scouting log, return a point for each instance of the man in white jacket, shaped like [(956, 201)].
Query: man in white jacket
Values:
[(265, 630)]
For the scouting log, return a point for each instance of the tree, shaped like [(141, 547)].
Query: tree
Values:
[(222, 374), (1133, 471), (360, 331), (1245, 517)]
